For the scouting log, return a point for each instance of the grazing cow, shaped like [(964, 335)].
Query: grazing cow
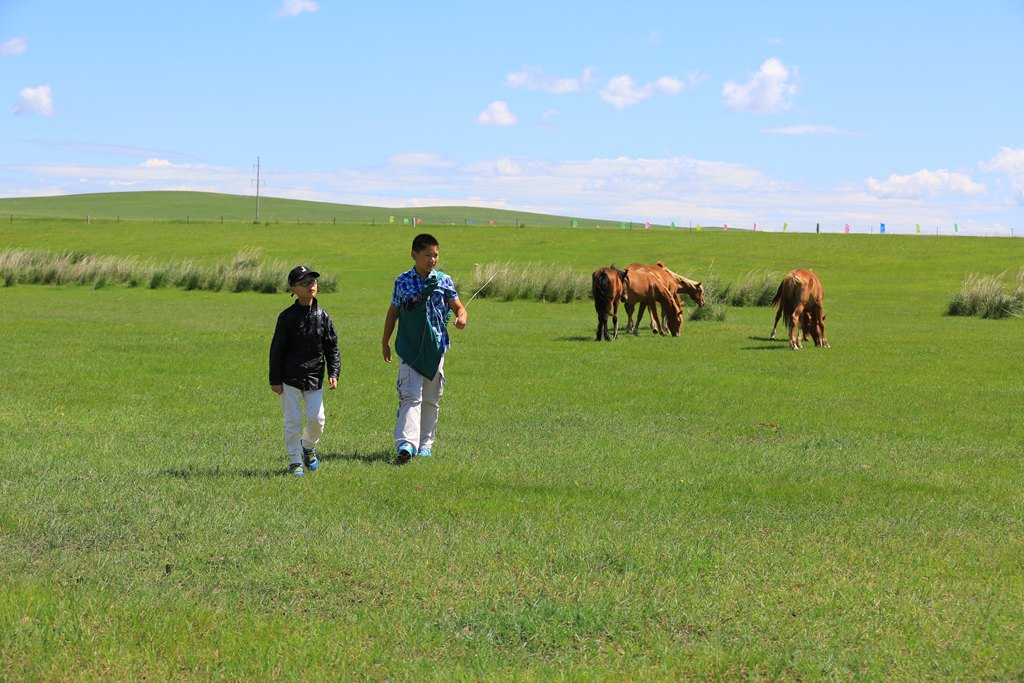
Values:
[(608, 286), (799, 298), (649, 287)]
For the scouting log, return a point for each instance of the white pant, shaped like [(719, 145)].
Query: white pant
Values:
[(291, 405), (418, 399)]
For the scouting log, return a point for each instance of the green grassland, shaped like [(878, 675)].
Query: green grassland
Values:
[(200, 207), (713, 506)]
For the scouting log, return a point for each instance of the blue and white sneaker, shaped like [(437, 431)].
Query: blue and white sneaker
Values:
[(309, 458), (424, 452), (295, 469), (405, 452)]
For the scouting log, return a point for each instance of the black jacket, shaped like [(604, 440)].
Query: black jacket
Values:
[(303, 340)]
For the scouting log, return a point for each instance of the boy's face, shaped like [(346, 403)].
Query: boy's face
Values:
[(426, 259), (305, 289)]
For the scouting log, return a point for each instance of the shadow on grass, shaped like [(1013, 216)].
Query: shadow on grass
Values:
[(217, 471), (370, 457), (772, 344)]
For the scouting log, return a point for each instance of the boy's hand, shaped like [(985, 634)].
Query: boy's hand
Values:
[(277, 388), (460, 320), (333, 382), (386, 348)]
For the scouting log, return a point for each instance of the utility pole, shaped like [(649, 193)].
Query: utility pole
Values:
[(258, 182)]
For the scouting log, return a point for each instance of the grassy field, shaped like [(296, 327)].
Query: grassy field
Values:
[(204, 207), (713, 506)]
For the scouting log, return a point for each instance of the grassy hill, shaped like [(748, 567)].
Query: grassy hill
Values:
[(211, 207)]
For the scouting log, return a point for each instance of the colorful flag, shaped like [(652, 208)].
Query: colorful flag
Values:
[(405, 221), (817, 228), (956, 228), (847, 228), (647, 225), (491, 223), (419, 221), (698, 227), (784, 226), (917, 227), (755, 227), (575, 223), (673, 225), (622, 224), (881, 229), (391, 219), (473, 222), (725, 227)]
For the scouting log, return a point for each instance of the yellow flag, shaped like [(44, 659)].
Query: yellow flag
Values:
[(784, 226), (391, 219), (917, 227), (698, 227)]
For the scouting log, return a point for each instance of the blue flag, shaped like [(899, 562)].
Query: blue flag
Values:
[(882, 230)]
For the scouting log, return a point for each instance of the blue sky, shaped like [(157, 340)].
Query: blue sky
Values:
[(901, 113)]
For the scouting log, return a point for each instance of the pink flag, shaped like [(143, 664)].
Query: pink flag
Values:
[(725, 227), (847, 228), (648, 225), (419, 221), (755, 227)]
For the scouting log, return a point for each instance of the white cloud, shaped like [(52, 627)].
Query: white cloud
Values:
[(769, 90), (14, 46), (496, 114), (293, 8), (924, 183), (1009, 161), (807, 129), (156, 163), (35, 101), (534, 79), (668, 85), (623, 91)]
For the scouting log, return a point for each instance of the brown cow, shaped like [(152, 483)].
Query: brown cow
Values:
[(649, 287), (799, 298), (608, 287)]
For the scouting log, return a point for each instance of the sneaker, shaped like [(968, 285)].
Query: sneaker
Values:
[(424, 452), (295, 469), (405, 453), (309, 458)]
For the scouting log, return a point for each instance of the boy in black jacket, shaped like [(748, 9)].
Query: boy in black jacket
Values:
[(304, 340)]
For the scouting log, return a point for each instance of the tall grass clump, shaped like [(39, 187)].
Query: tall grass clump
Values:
[(531, 281), (248, 271), (986, 296), (754, 289)]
